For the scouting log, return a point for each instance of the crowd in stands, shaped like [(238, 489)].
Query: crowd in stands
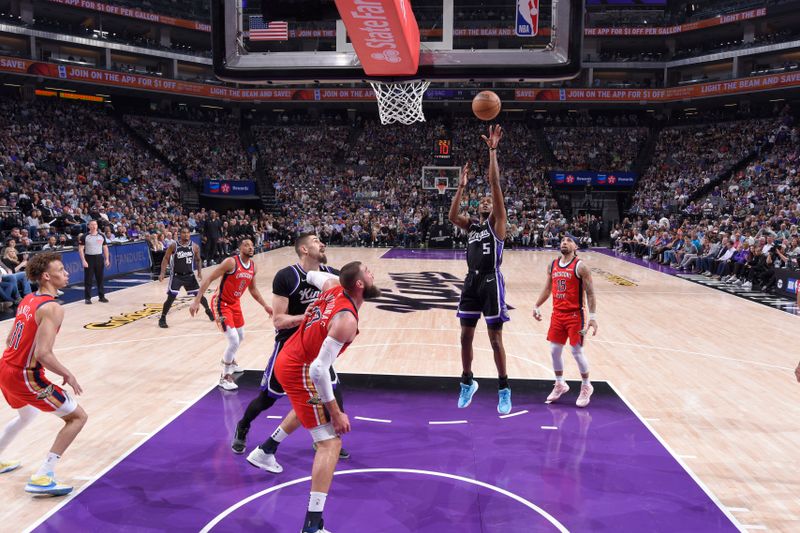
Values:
[(205, 150), (596, 148), (688, 158), (742, 231)]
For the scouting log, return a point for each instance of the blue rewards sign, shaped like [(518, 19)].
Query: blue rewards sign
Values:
[(561, 179)]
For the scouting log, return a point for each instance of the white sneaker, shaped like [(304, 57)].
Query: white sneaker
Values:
[(585, 395), (226, 382), (236, 368), (558, 390), (265, 461), (747, 285)]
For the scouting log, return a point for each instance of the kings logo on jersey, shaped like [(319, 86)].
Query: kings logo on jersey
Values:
[(527, 18)]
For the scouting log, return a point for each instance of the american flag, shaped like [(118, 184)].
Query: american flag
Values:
[(268, 31)]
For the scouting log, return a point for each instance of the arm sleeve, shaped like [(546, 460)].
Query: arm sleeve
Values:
[(318, 279), (320, 369)]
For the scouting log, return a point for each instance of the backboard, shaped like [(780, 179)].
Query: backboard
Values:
[(471, 40)]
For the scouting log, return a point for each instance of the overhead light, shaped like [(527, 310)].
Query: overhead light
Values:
[(12, 85), (690, 109), (212, 106), (778, 100), (651, 110), (62, 90), (731, 105), (103, 95)]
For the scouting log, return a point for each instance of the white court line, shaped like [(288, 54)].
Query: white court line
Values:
[(275, 417), (739, 509), (666, 446), (82, 478), (365, 419), (549, 427), (103, 472), (530, 505), (514, 414), (599, 341), (445, 422)]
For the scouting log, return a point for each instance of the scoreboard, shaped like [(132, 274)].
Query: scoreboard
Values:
[(443, 151)]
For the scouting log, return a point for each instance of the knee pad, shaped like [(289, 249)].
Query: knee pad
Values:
[(580, 358), (555, 354)]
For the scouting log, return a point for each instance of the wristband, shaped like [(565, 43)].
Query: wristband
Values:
[(592, 316)]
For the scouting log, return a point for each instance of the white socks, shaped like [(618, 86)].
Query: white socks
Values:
[(316, 503), (49, 465), (279, 434)]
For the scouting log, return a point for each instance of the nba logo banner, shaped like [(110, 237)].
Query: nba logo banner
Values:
[(527, 18)]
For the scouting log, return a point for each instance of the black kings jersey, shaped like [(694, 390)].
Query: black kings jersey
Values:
[(484, 249), (290, 282), (182, 260)]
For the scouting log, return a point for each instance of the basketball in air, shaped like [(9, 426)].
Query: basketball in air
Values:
[(486, 105)]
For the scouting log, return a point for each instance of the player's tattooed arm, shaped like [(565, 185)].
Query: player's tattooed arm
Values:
[(588, 285), (499, 215), (545, 294), (454, 216)]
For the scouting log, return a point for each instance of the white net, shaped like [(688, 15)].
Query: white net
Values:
[(400, 102)]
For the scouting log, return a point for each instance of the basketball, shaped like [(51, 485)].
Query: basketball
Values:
[(486, 105)]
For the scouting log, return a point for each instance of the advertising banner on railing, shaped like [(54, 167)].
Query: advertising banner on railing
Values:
[(125, 258), (27, 67), (644, 31), (563, 179), (135, 14), (229, 188)]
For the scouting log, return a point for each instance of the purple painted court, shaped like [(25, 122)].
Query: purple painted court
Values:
[(551, 468)]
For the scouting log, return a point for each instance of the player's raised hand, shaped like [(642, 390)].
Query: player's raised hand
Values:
[(341, 423), (495, 134), (70, 380), (462, 181)]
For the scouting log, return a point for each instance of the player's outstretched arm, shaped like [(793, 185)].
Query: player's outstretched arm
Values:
[(322, 280), (50, 318), (588, 285), (544, 295), (228, 265), (499, 215), (165, 261), (341, 330), (454, 216)]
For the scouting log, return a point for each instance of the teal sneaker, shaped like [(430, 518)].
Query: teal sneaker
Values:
[(504, 403), (467, 392)]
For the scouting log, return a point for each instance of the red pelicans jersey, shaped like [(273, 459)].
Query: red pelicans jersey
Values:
[(567, 287), (303, 347), (20, 351), (233, 285)]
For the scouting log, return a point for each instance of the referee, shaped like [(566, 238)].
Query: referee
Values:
[(93, 248)]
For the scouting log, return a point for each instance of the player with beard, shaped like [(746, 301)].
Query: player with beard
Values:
[(303, 369), (567, 279), (238, 274), (292, 293), (484, 288)]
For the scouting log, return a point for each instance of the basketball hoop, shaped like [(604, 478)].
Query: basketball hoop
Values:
[(441, 187), (400, 102)]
